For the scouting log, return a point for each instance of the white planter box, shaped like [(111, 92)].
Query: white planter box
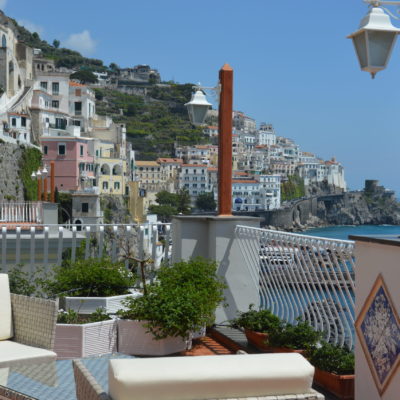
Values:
[(85, 340), (88, 305), (134, 340)]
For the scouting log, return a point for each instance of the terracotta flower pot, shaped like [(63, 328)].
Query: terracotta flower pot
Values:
[(341, 386), (257, 339), (286, 350)]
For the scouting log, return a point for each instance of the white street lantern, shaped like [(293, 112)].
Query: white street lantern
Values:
[(198, 107), (33, 175), (374, 40), (38, 173), (44, 171)]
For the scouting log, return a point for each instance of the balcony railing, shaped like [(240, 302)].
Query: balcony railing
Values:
[(299, 276), (27, 212), (49, 245)]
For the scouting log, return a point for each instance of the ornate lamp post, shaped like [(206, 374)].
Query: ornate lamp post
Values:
[(44, 175), (375, 38), (197, 108), (39, 184)]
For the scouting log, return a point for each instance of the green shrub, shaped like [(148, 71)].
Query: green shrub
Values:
[(299, 336), (182, 300), (72, 317), (257, 320), (333, 359), (92, 277)]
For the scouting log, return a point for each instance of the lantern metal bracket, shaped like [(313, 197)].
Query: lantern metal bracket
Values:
[(213, 91), (379, 3)]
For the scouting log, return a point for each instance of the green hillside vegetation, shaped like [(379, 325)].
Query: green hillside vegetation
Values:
[(155, 122), (293, 188), (63, 57)]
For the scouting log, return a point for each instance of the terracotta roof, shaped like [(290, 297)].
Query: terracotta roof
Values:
[(211, 169), (18, 114), (240, 173), (200, 146), (212, 127), (170, 160), (195, 165), (147, 163), (72, 83), (244, 181)]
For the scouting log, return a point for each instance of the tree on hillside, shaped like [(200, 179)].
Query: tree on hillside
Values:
[(113, 67), (206, 202), (56, 43), (84, 76), (183, 198), (170, 204)]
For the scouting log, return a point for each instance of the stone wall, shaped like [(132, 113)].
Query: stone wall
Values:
[(11, 187)]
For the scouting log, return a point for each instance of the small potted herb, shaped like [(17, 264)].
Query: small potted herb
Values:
[(84, 336), (334, 370), (92, 284), (182, 300), (300, 338), (257, 325)]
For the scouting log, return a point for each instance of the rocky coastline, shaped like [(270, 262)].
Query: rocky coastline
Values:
[(374, 205)]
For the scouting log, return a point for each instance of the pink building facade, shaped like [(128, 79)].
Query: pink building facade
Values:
[(74, 161)]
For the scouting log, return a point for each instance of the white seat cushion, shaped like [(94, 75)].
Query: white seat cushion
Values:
[(6, 331), (13, 353), (209, 377)]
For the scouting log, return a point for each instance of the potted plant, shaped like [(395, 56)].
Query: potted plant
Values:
[(299, 338), (334, 370), (182, 300), (88, 336), (92, 283), (256, 325)]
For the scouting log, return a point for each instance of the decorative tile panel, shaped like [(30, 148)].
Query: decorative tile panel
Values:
[(378, 328)]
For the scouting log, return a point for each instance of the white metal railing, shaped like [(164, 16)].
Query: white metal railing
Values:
[(26, 212), (304, 277), (49, 245)]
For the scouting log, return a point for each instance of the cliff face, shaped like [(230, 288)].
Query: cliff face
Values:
[(17, 163), (360, 209), (372, 206)]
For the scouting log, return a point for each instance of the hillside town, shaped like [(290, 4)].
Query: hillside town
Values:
[(41, 106)]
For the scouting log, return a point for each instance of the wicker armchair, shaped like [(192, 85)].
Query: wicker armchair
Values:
[(27, 328), (87, 388)]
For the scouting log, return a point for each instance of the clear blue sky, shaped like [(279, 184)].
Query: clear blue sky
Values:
[(292, 62)]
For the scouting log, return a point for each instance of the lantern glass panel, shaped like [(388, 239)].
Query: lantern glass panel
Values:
[(361, 48), (197, 113), (380, 44)]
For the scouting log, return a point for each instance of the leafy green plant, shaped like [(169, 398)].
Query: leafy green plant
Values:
[(182, 300), (22, 282), (91, 277), (68, 317), (98, 315), (299, 336), (72, 317), (334, 359), (257, 320)]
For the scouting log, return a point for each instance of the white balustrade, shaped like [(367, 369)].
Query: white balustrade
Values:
[(49, 245), (27, 212), (299, 276)]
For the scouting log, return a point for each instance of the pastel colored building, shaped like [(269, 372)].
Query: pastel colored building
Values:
[(74, 161)]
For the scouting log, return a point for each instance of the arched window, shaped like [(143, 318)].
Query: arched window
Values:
[(117, 170), (4, 41), (105, 169)]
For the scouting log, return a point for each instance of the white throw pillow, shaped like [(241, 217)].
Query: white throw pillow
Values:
[(6, 331)]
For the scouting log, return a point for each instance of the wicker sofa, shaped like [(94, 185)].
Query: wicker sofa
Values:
[(27, 327), (250, 376)]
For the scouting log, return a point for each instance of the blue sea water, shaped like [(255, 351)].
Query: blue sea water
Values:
[(343, 231)]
